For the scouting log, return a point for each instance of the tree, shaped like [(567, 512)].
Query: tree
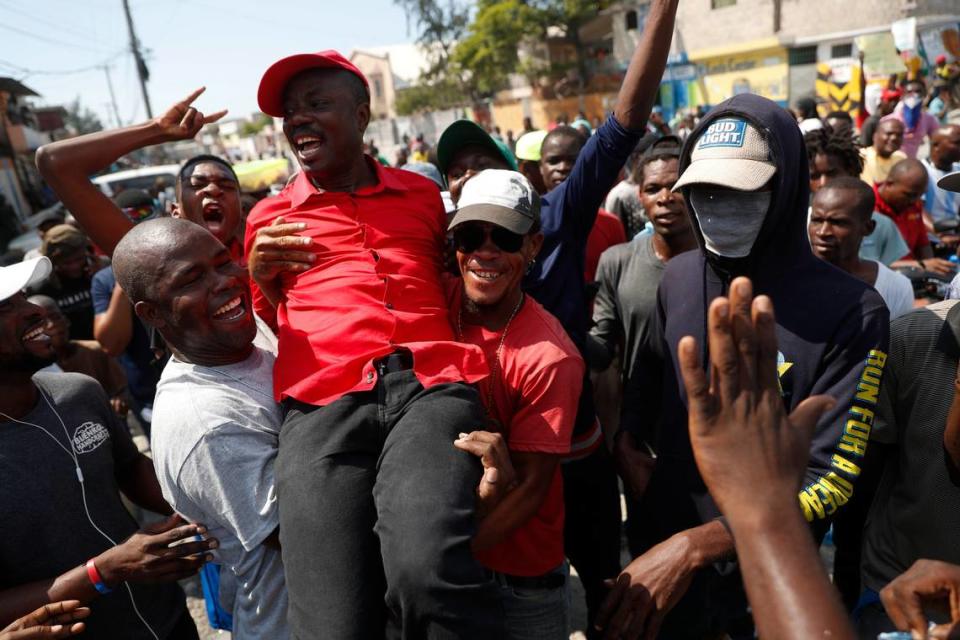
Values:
[(570, 15), (489, 51), (439, 26), (81, 119), (255, 127), (441, 93), (477, 56)]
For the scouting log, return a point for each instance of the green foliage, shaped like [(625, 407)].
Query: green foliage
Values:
[(473, 58), (489, 51), (255, 127), (427, 96), (438, 26)]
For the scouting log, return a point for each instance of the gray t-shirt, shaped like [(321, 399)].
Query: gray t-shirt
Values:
[(625, 308), (916, 512), (886, 244), (895, 289), (45, 530), (215, 438)]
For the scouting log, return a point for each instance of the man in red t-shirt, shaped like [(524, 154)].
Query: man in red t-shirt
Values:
[(531, 396), (607, 232), (900, 197), (376, 508)]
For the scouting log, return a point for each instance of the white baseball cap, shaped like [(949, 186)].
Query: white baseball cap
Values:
[(17, 277), (504, 198), (730, 153)]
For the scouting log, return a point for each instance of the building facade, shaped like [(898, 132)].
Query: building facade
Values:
[(780, 48)]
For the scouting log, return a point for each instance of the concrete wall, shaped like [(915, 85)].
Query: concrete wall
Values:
[(703, 27), (380, 76), (509, 115)]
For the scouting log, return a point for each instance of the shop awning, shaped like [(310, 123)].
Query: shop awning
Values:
[(733, 49)]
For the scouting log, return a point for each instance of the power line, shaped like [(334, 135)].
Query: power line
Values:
[(26, 71), (62, 43), (42, 20)]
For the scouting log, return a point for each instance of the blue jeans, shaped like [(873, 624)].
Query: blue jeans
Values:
[(537, 613)]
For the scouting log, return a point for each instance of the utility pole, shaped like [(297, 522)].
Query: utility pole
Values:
[(113, 98), (142, 71)]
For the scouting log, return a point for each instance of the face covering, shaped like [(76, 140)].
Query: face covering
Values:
[(730, 220), (912, 105)]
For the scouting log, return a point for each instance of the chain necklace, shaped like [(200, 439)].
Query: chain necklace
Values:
[(495, 369)]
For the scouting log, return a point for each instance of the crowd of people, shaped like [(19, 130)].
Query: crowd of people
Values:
[(402, 401)]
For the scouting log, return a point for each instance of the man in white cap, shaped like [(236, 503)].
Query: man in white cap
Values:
[(66, 458), (746, 186), (531, 398)]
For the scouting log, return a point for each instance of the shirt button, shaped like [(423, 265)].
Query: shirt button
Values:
[(369, 376), (389, 305)]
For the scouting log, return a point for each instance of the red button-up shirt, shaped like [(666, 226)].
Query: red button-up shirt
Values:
[(909, 222), (375, 287)]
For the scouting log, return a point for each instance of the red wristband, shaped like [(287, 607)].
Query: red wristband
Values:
[(95, 578)]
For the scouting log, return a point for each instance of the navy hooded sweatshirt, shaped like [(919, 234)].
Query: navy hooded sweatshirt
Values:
[(832, 333)]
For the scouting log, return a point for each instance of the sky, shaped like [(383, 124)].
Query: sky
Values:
[(224, 45)]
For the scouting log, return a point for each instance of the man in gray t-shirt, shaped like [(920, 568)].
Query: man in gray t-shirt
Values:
[(916, 511), (41, 489), (624, 311), (215, 438), (64, 459), (215, 422)]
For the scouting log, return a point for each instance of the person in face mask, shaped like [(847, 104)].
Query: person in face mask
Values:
[(917, 123), (744, 176)]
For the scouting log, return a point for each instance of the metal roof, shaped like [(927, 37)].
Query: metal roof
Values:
[(15, 87)]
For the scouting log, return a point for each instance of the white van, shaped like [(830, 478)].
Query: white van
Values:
[(143, 178)]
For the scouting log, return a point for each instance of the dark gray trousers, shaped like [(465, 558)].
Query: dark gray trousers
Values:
[(377, 512)]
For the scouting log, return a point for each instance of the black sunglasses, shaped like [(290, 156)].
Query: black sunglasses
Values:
[(469, 237)]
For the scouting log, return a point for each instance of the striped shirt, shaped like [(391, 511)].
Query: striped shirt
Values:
[(916, 512)]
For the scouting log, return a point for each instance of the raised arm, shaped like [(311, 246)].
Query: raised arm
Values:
[(746, 444), (605, 153), (642, 80), (67, 165)]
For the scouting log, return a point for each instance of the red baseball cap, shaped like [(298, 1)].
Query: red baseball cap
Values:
[(275, 79), (891, 94)]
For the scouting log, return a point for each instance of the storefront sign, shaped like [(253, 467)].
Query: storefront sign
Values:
[(764, 73)]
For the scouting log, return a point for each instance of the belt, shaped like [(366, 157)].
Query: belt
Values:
[(552, 580), (400, 360)]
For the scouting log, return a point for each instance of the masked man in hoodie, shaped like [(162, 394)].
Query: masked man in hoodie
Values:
[(744, 177)]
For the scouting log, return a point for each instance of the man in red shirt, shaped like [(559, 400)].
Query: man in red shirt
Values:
[(900, 197), (376, 507), (208, 192), (531, 396)]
